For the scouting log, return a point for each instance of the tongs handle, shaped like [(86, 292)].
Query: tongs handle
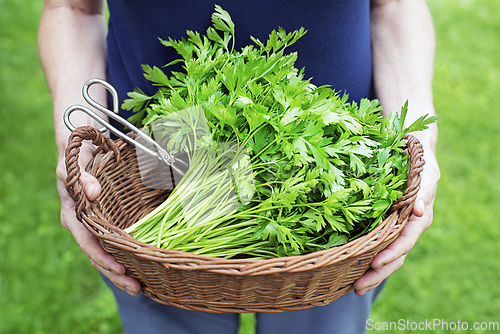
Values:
[(160, 153)]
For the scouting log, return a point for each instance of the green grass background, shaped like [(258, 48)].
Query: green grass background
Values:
[(48, 286)]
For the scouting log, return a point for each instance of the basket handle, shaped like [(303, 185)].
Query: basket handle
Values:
[(416, 151), (73, 182)]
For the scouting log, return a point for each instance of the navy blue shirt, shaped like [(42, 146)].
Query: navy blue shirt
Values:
[(336, 51)]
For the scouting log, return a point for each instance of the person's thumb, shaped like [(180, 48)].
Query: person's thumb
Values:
[(419, 207), (91, 186), (428, 185)]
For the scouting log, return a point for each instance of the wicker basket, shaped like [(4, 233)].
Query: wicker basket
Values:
[(212, 284)]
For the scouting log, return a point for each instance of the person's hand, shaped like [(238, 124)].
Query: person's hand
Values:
[(100, 259), (392, 258)]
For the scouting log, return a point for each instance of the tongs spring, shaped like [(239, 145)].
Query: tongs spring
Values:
[(161, 154)]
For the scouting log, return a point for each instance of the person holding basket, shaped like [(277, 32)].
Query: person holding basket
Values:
[(368, 49)]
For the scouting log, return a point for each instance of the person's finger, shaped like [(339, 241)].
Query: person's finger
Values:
[(91, 186), (123, 282), (365, 290), (102, 260), (392, 258), (405, 241), (373, 277), (87, 242)]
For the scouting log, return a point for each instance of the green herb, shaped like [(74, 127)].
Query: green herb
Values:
[(277, 166)]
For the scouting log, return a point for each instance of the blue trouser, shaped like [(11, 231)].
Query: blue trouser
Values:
[(141, 315)]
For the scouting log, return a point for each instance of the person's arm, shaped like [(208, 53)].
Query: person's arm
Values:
[(403, 45), (71, 43)]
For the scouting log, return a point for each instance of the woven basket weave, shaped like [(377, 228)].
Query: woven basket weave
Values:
[(207, 283)]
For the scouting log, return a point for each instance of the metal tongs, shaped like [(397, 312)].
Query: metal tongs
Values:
[(161, 154)]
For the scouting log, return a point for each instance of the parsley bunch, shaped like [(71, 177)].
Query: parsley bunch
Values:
[(312, 170)]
